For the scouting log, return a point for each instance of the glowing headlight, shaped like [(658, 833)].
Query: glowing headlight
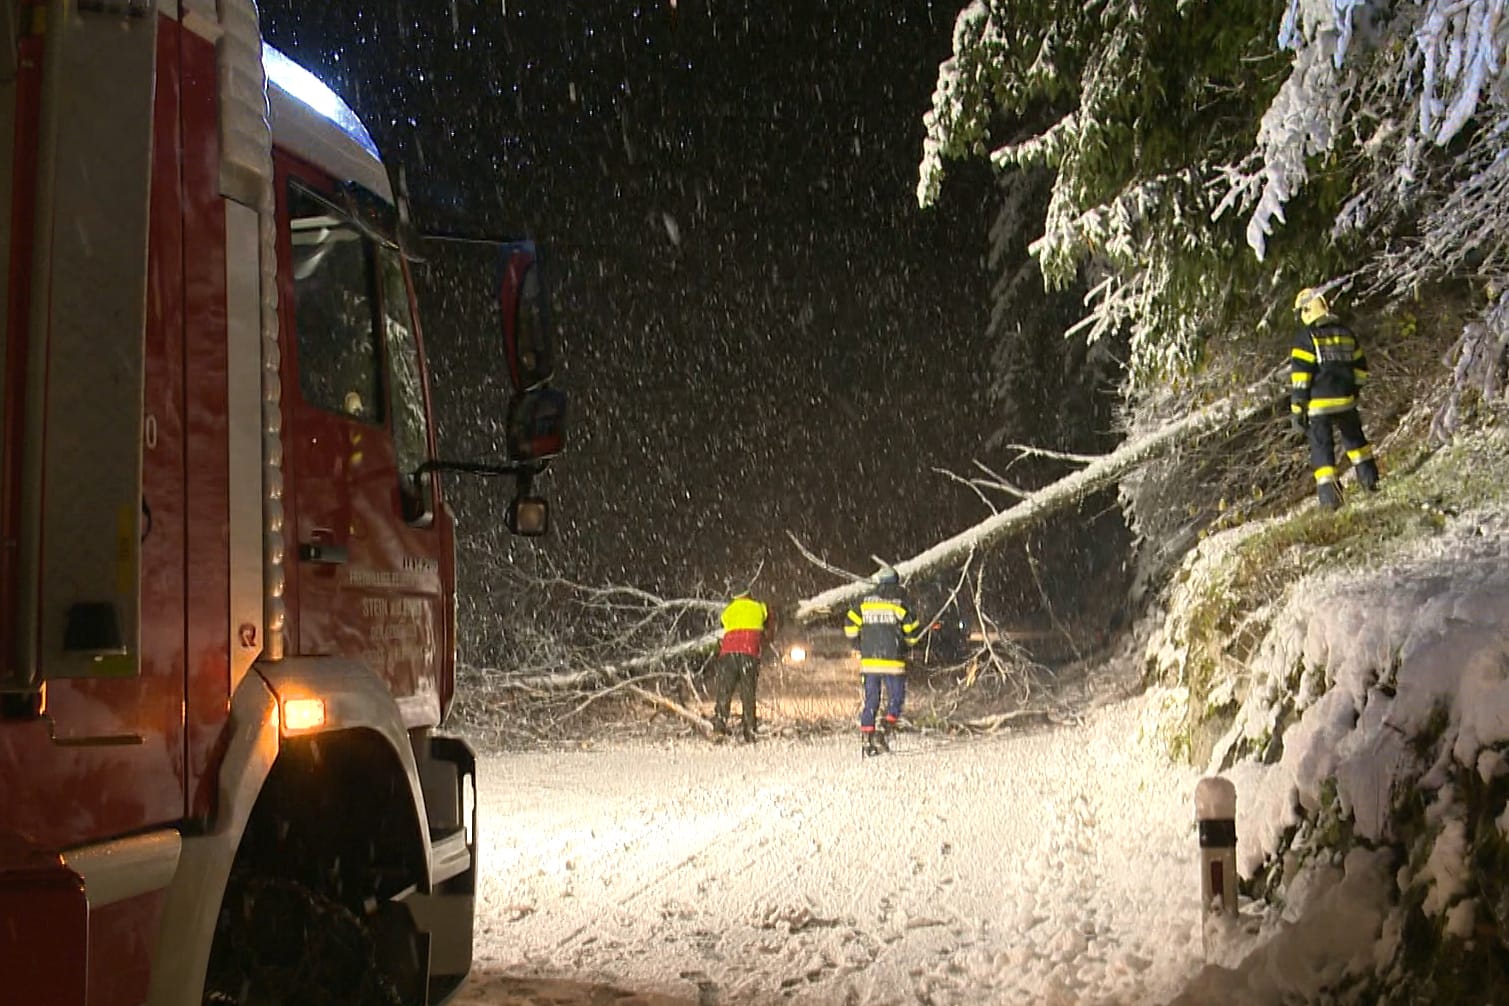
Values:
[(797, 654), (303, 714)]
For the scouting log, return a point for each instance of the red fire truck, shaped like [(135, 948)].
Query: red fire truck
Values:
[(227, 574)]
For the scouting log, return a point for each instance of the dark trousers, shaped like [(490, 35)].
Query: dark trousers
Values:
[(895, 694), (736, 670), (1323, 432)]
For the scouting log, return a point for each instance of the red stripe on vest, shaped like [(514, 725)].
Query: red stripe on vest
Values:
[(741, 641)]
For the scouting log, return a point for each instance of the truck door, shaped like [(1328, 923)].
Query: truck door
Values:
[(369, 545)]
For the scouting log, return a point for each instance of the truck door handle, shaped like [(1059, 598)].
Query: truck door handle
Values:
[(322, 552)]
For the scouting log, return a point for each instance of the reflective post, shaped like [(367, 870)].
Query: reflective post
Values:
[(1216, 812)]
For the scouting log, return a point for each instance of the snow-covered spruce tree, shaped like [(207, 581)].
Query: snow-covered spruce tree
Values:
[(1360, 140), (1136, 108), (1210, 159), (1393, 121), (1133, 111)]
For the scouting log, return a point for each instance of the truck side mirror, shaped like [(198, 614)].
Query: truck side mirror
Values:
[(536, 421), (525, 307), (536, 424)]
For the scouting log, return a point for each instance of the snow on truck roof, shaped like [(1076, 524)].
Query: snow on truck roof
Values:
[(311, 120)]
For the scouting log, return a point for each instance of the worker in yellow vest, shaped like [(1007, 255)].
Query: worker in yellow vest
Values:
[(744, 623)]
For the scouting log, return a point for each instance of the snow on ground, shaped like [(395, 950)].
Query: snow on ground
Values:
[(1052, 867)]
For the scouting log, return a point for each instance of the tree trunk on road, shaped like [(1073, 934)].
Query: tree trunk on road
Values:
[(1035, 507)]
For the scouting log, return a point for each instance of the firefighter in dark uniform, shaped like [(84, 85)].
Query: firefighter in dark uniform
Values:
[(1326, 368), (884, 628), (744, 620)]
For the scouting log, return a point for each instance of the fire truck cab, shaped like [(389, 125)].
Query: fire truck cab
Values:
[(227, 572)]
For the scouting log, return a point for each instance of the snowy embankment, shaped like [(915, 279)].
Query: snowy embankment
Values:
[(1367, 750), (1052, 867)]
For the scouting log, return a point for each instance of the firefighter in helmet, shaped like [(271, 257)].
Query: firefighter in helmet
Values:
[(744, 622), (1326, 369), (884, 628)]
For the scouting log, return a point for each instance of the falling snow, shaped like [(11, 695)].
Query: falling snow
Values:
[(760, 331)]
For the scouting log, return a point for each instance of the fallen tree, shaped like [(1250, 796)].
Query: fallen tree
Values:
[(663, 656), (1034, 507)]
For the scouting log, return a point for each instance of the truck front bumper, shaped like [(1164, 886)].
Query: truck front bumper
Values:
[(446, 913)]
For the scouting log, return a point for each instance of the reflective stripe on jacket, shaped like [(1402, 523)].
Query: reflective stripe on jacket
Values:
[(885, 629), (1326, 367), (743, 626)]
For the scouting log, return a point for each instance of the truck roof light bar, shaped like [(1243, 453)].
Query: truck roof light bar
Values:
[(315, 95)]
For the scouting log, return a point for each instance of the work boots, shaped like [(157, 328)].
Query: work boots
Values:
[(1329, 494), (1367, 475), (875, 743)]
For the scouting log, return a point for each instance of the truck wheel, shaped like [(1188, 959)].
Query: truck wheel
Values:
[(279, 942)]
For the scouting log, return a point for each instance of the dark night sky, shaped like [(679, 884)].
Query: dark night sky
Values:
[(761, 330)]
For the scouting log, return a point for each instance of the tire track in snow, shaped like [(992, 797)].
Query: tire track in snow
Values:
[(1020, 868), (663, 884)]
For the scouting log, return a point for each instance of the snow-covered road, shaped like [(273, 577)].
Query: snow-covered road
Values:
[(1057, 866)]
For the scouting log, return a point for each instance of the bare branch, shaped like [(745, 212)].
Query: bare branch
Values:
[(980, 485), (952, 594), (1042, 593), (1042, 452), (998, 652), (656, 699), (704, 643), (629, 685), (999, 481), (619, 596), (973, 484), (1017, 717), (821, 563)]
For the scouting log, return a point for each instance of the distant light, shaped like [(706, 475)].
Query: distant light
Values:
[(316, 96), (303, 714), (797, 654)]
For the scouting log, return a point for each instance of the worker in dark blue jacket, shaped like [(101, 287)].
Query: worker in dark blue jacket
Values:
[(1326, 369), (885, 629)]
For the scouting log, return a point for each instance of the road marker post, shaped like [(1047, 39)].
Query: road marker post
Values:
[(1216, 815)]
